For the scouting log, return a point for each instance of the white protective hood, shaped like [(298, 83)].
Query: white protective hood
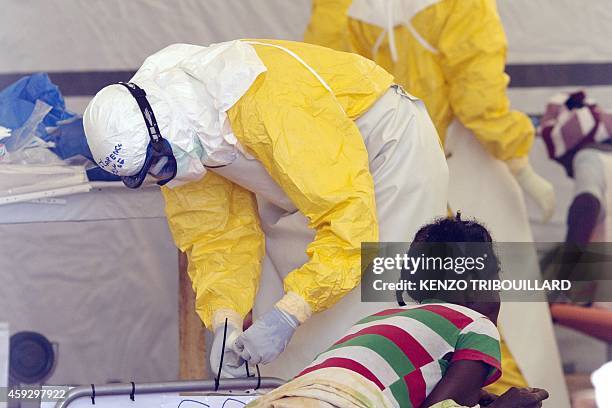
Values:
[(190, 88)]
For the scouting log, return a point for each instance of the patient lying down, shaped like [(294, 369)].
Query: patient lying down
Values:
[(438, 353)]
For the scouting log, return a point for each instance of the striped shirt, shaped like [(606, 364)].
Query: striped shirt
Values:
[(406, 351)]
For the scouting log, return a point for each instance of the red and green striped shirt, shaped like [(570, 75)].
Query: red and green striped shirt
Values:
[(406, 351)]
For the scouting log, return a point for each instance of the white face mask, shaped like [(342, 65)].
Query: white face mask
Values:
[(189, 165)]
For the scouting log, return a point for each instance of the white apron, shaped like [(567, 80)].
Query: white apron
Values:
[(603, 229), (410, 179), (483, 188)]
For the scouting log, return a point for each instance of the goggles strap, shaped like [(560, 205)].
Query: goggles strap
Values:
[(147, 112)]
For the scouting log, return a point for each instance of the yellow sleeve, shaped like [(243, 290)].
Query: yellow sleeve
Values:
[(215, 222), (328, 24), (317, 155), (473, 50)]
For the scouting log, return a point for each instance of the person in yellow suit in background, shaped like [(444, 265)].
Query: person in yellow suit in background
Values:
[(451, 54)]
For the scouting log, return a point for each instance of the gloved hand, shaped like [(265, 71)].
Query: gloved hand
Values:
[(268, 337), (535, 186), (233, 365)]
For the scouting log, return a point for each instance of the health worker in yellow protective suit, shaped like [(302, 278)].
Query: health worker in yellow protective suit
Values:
[(451, 54), (278, 159)]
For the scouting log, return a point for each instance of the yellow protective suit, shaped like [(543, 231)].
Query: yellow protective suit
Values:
[(461, 75), (456, 68), (305, 137)]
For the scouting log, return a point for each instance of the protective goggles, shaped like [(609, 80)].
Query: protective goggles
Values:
[(159, 161)]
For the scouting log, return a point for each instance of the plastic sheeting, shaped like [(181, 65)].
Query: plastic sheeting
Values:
[(117, 35), (20, 183), (547, 31), (542, 31), (4, 353), (103, 284), (556, 31)]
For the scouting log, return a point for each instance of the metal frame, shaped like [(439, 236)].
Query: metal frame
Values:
[(233, 384)]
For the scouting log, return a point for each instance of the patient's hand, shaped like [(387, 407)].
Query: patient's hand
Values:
[(486, 398), (520, 398)]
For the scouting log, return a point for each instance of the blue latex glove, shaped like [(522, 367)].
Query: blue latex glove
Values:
[(267, 337), (233, 365)]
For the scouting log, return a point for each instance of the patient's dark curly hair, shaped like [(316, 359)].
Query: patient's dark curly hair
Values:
[(444, 233), (453, 230)]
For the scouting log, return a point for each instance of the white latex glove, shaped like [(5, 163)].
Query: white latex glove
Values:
[(233, 365), (268, 337), (535, 186)]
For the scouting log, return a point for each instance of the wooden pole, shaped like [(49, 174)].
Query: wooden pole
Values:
[(192, 354)]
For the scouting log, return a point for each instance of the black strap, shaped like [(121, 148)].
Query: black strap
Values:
[(222, 354), (133, 393), (258, 377), (216, 167), (93, 394), (217, 378), (145, 108)]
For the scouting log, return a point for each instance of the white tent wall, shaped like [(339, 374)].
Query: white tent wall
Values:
[(109, 38), (116, 35), (81, 35), (571, 33), (105, 292), (557, 31)]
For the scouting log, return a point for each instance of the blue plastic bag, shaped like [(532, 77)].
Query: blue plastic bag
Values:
[(69, 139), (59, 126), (17, 101)]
